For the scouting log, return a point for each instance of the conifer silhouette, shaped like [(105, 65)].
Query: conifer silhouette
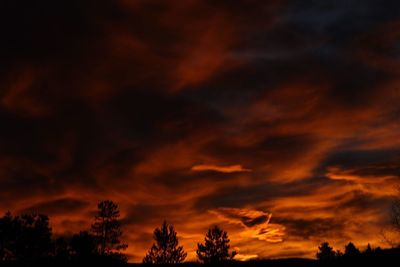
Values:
[(107, 229), (165, 249), (326, 252), (216, 247)]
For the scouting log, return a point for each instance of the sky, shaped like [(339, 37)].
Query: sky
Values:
[(276, 120)]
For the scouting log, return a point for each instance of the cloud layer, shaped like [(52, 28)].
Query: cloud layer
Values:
[(277, 120)]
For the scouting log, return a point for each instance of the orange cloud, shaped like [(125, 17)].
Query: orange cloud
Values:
[(256, 224), (224, 169)]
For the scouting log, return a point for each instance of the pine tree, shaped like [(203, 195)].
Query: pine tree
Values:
[(107, 229), (166, 249), (216, 247), (351, 250), (326, 252), (368, 250)]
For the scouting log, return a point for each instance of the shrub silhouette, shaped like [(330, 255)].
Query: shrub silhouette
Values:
[(326, 252), (215, 248), (107, 229), (165, 249)]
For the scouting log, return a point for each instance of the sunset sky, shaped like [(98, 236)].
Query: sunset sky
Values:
[(277, 120)]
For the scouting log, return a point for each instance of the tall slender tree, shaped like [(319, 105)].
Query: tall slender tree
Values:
[(107, 229), (216, 247), (165, 249)]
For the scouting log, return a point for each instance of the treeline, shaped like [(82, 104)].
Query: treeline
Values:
[(29, 238), (327, 253), (353, 256)]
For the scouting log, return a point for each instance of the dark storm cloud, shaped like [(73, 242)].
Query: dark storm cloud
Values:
[(337, 227), (177, 108), (359, 201), (313, 228), (58, 206), (352, 158), (22, 182), (236, 197)]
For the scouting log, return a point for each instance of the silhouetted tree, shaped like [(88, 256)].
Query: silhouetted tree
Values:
[(26, 237), (61, 249), (165, 249), (215, 248), (338, 253), (325, 252), (391, 233), (395, 212), (7, 237), (368, 250), (351, 251), (83, 245), (107, 229), (34, 240)]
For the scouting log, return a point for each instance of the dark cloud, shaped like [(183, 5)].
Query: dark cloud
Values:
[(235, 196), (146, 213), (58, 206), (358, 201), (313, 228), (353, 158)]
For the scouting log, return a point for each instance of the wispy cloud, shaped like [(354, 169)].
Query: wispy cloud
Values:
[(255, 223), (216, 168)]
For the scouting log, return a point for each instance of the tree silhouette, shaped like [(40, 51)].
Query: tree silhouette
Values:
[(107, 229), (326, 252), (395, 212), (351, 250), (61, 249), (215, 248), (391, 233), (165, 249), (7, 237), (368, 250), (83, 245), (34, 240), (26, 237)]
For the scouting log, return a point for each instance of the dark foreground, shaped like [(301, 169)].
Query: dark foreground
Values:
[(389, 257)]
